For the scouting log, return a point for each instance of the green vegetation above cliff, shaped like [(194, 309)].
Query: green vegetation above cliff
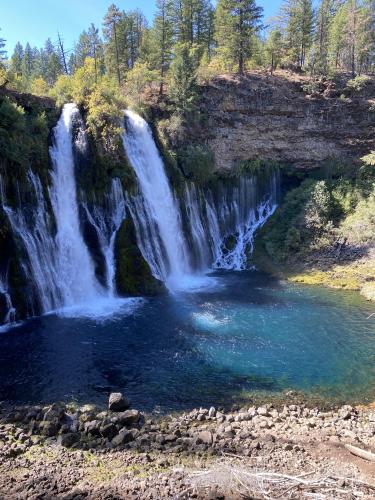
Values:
[(25, 123)]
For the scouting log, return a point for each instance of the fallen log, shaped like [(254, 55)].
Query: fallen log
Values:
[(366, 455)]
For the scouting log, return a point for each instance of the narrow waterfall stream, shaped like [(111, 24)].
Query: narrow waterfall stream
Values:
[(107, 221), (159, 214)]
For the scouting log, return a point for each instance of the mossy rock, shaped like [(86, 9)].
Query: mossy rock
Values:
[(133, 274)]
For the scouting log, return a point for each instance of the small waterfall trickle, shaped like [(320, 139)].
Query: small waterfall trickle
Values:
[(155, 210), (107, 221), (9, 313), (234, 222)]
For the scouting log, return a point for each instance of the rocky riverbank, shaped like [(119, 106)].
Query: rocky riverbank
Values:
[(260, 452)]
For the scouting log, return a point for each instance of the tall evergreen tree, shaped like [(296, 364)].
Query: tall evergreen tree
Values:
[(15, 67), (323, 22), (110, 31), (183, 82), (161, 39), (298, 19), (236, 22), (3, 52), (27, 66)]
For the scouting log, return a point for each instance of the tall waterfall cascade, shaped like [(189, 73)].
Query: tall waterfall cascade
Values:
[(157, 214), (75, 271), (57, 260), (206, 230)]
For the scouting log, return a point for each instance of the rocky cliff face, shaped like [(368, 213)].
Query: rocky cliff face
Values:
[(271, 118)]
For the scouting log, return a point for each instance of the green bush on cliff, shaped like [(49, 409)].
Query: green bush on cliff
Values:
[(23, 140), (197, 162), (102, 104)]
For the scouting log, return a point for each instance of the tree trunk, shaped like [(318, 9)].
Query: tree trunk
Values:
[(117, 57)]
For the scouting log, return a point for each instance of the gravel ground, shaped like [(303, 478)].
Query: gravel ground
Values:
[(254, 452)]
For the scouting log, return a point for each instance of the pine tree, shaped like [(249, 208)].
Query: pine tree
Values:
[(183, 82), (3, 53), (236, 22), (273, 49), (27, 67), (52, 65), (161, 39), (15, 67), (298, 19), (95, 48), (136, 24), (110, 30), (323, 23)]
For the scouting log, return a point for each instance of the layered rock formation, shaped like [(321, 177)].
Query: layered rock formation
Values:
[(266, 117)]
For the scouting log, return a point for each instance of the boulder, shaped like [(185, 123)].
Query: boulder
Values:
[(123, 437), (69, 439), (93, 427), (108, 431), (128, 417), (205, 437), (118, 402)]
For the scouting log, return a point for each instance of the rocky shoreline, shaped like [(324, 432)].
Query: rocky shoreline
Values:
[(63, 452)]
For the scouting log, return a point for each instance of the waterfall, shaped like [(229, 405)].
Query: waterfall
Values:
[(32, 226), (55, 258), (107, 221), (75, 273), (237, 219), (10, 311), (208, 230), (155, 210), (223, 227)]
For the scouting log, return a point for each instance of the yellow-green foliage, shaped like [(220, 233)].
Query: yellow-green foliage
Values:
[(138, 79), (360, 225), (100, 97), (105, 110)]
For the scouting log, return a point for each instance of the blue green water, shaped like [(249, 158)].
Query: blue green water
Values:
[(250, 332)]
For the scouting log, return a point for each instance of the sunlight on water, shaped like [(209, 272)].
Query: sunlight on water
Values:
[(193, 283)]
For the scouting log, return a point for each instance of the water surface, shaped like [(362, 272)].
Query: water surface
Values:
[(249, 332)]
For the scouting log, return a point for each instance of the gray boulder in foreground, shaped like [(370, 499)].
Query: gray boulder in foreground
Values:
[(118, 402)]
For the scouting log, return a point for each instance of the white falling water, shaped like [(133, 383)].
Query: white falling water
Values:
[(11, 311), (160, 212), (33, 229), (223, 227), (74, 267), (107, 221)]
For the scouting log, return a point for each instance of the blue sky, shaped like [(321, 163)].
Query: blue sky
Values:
[(35, 20)]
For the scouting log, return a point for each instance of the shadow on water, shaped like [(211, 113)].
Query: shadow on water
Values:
[(177, 352)]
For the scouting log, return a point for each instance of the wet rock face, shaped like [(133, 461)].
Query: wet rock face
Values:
[(271, 118)]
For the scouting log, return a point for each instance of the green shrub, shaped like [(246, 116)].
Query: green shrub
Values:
[(197, 162), (358, 83)]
